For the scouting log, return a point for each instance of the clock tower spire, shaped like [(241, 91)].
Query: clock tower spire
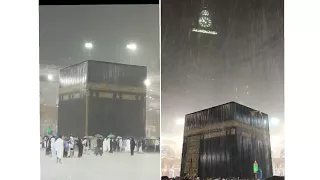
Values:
[(204, 23)]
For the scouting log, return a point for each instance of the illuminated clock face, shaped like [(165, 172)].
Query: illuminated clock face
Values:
[(204, 22)]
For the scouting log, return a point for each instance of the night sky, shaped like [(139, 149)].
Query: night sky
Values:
[(65, 29), (244, 62)]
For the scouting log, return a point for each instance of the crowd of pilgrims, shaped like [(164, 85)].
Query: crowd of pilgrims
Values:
[(64, 147), (197, 178)]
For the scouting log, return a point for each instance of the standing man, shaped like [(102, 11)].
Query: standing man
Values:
[(85, 145), (105, 145), (140, 147), (132, 146), (111, 145), (156, 144), (52, 142), (80, 147), (99, 146), (48, 146), (59, 146), (71, 147), (108, 144)]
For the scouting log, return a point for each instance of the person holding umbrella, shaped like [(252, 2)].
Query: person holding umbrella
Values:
[(99, 145), (105, 145), (85, 144), (111, 144), (118, 143)]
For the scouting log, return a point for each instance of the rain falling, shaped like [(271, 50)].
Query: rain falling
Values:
[(215, 52)]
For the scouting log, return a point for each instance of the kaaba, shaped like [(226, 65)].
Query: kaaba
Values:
[(225, 141), (98, 97)]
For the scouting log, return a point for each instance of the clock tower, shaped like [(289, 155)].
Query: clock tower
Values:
[(204, 23)]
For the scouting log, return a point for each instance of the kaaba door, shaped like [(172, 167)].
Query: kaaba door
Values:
[(192, 155)]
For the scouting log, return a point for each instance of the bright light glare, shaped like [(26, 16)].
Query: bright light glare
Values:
[(132, 47), (204, 31), (88, 45), (180, 121), (147, 82), (274, 121), (276, 140), (50, 77)]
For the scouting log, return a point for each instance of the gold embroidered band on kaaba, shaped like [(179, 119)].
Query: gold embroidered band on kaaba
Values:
[(103, 87), (223, 125)]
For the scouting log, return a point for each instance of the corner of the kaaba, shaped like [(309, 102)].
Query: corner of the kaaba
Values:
[(224, 141), (72, 105)]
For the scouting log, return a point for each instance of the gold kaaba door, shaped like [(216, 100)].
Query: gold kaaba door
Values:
[(192, 155)]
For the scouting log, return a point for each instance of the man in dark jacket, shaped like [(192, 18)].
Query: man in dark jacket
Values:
[(99, 147), (111, 146), (132, 146), (80, 147)]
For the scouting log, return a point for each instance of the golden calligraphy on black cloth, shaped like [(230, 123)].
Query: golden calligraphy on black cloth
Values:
[(215, 134), (103, 87), (223, 125), (106, 95), (246, 134), (193, 148), (128, 97), (220, 133), (228, 132), (102, 90)]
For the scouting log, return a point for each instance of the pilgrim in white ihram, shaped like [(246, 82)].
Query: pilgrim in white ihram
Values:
[(52, 141), (58, 145)]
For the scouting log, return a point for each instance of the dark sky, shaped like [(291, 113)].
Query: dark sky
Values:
[(65, 29), (243, 63)]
